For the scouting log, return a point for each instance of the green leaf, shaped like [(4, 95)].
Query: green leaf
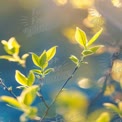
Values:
[(11, 101), (25, 56), (51, 53), (104, 117), (20, 78), (94, 38), (37, 71), (112, 107), (43, 60), (47, 71), (74, 59), (87, 52), (31, 78), (35, 59), (80, 37), (9, 58), (95, 48), (28, 95)]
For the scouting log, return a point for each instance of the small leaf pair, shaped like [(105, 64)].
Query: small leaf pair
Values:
[(81, 38), (23, 80), (24, 101), (12, 48), (43, 60)]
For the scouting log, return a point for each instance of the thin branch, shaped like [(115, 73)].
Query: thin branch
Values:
[(7, 89), (65, 83)]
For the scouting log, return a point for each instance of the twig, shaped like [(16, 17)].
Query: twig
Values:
[(7, 89), (43, 100), (65, 83)]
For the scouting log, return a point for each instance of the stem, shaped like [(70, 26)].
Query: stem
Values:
[(65, 83), (7, 89)]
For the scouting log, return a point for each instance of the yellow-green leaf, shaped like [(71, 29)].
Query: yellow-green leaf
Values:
[(80, 37), (74, 59), (28, 95), (95, 48), (47, 71), (87, 52), (51, 53), (25, 56), (35, 59), (43, 60), (31, 78), (37, 71), (111, 107), (94, 38), (9, 58), (11, 101), (104, 117), (20, 78)]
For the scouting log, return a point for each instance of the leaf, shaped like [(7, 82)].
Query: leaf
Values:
[(51, 53), (43, 60), (47, 71), (80, 37), (28, 95), (35, 59), (20, 78), (25, 56), (87, 52), (9, 58), (104, 117), (94, 38), (37, 71), (95, 48), (14, 44), (112, 107), (74, 59), (31, 78), (11, 101)]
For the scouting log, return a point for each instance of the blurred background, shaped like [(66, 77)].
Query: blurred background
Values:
[(41, 24)]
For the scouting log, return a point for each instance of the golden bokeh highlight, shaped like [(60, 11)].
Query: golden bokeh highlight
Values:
[(60, 2)]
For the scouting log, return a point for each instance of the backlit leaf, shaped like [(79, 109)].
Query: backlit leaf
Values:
[(74, 59), (9, 58), (51, 53), (31, 78), (20, 78), (11, 101), (95, 48), (28, 95), (25, 56), (35, 59), (47, 71), (94, 38), (43, 60), (37, 71), (87, 52), (80, 37)]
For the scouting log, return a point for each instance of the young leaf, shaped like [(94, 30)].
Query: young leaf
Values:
[(43, 60), (47, 71), (31, 78), (80, 37), (95, 48), (28, 95), (20, 78), (51, 53), (25, 56), (37, 71), (87, 52), (11, 101), (74, 59), (14, 44), (9, 58), (112, 107), (35, 59), (94, 38)]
